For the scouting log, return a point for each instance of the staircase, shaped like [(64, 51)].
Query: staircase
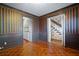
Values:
[(56, 23), (56, 27)]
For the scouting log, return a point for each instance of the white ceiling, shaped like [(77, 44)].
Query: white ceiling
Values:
[(38, 9)]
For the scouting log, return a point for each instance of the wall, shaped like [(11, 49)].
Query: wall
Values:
[(43, 29), (35, 30), (11, 26), (72, 26)]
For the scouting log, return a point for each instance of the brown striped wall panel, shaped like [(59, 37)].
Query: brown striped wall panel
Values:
[(8, 31), (72, 27), (11, 24), (8, 20)]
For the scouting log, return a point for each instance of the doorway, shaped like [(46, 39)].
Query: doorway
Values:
[(56, 29), (27, 29)]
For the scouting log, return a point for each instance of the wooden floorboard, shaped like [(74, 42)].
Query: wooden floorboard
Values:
[(39, 48)]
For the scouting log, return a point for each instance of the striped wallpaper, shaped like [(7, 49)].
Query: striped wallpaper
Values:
[(10, 21), (72, 20)]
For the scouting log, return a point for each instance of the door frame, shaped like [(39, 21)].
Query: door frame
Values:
[(49, 30), (31, 26)]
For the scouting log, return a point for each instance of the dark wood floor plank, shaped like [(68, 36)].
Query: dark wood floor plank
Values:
[(39, 49)]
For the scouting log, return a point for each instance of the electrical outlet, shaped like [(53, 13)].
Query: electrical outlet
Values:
[(5, 43)]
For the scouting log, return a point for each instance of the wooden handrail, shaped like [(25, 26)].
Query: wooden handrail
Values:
[(56, 23)]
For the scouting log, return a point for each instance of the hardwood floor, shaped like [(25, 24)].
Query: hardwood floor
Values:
[(39, 49), (57, 42)]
